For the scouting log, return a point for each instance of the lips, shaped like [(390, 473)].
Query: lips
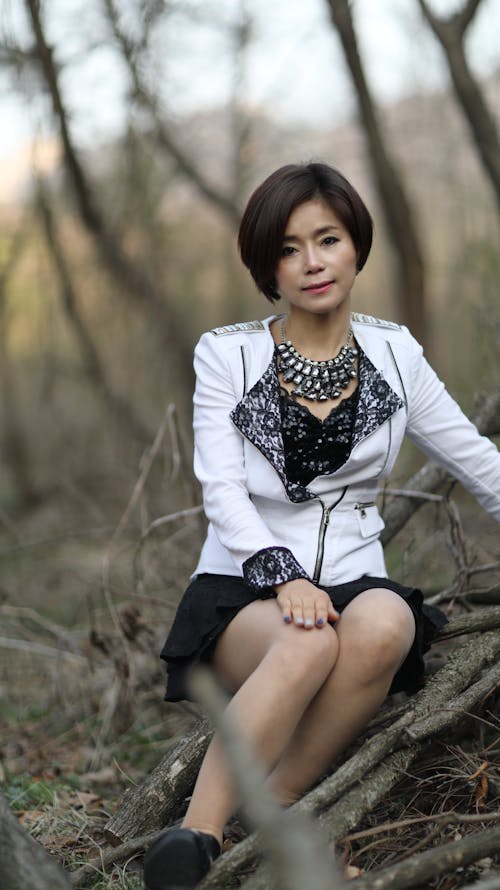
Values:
[(318, 288)]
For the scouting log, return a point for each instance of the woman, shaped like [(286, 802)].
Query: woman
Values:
[(297, 418)]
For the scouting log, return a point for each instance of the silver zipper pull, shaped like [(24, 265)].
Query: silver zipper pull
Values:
[(363, 507)]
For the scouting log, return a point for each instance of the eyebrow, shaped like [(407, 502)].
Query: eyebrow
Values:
[(317, 233)]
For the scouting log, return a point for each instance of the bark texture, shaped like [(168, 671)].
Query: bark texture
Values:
[(23, 862), (154, 803), (417, 870), (395, 204)]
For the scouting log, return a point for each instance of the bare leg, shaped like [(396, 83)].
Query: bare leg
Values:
[(302, 695), (375, 634), (277, 670)]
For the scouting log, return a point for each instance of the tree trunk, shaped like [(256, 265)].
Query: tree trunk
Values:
[(395, 203)]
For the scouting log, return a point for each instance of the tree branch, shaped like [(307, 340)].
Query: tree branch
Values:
[(450, 32), (432, 477), (133, 279), (417, 870), (162, 135), (93, 365), (394, 201)]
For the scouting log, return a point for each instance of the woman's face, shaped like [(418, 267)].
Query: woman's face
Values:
[(317, 268)]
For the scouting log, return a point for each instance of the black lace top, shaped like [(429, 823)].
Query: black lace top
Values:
[(315, 447)]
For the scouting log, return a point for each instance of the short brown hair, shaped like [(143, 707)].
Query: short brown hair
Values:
[(264, 221)]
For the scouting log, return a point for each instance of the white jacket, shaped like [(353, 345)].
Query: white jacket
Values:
[(268, 530)]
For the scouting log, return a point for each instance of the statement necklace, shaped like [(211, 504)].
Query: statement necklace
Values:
[(313, 380)]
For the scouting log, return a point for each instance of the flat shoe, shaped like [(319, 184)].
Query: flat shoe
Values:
[(179, 859)]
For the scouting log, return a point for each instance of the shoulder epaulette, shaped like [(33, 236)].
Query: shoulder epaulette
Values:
[(361, 318), (246, 327)]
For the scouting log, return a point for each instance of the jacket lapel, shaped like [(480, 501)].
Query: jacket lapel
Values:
[(377, 401), (258, 418)]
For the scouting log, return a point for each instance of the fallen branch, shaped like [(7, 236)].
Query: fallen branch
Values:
[(417, 870), (431, 478), (40, 649)]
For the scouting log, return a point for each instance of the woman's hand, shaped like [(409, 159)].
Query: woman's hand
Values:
[(305, 604)]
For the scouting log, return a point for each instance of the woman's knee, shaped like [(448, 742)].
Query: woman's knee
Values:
[(378, 633), (305, 655)]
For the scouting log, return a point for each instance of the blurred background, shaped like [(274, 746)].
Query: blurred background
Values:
[(131, 135)]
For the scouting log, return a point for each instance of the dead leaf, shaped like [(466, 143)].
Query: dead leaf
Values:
[(481, 792), (484, 766)]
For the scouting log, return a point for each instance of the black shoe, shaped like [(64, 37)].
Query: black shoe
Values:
[(180, 858)]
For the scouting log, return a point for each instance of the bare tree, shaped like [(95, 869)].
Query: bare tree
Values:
[(395, 203), (131, 276), (451, 32), (163, 135), (93, 364)]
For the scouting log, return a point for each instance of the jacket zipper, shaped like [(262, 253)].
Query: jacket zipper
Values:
[(242, 349), (362, 507), (325, 519)]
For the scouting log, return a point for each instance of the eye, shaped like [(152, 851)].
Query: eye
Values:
[(287, 250), (329, 240)]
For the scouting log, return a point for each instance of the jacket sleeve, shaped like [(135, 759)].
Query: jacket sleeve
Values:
[(438, 427), (219, 467)]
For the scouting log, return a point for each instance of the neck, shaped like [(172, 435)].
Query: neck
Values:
[(318, 336)]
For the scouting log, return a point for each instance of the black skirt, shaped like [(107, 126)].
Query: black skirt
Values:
[(212, 601)]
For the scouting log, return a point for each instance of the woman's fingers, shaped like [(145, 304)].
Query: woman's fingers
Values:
[(321, 613), (305, 605), (286, 607)]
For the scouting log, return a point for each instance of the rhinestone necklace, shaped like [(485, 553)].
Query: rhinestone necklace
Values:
[(317, 381)]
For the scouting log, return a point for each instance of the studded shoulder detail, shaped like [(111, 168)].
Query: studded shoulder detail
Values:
[(361, 318), (245, 327)]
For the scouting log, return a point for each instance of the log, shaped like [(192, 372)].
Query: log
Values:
[(23, 861), (153, 804), (348, 813), (416, 870)]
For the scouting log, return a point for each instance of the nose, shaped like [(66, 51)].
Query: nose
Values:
[(313, 260)]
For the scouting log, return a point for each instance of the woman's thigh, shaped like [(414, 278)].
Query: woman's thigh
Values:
[(377, 628), (254, 631)]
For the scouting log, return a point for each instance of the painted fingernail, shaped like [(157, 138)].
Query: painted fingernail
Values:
[(309, 622), (319, 622), (299, 621), (287, 619)]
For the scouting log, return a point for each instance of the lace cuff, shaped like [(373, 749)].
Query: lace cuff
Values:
[(273, 565)]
